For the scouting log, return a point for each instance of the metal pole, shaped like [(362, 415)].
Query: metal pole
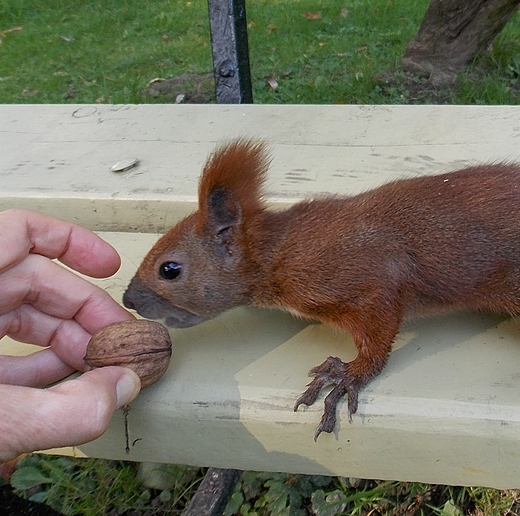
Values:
[(228, 28)]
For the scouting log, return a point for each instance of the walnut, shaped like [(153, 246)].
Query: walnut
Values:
[(144, 346)]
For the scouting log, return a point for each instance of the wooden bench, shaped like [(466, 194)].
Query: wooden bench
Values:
[(447, 407)]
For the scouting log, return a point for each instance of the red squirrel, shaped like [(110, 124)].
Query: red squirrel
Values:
[(362, 263)]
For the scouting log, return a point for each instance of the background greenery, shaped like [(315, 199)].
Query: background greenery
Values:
[(302, 51), (311, 51)]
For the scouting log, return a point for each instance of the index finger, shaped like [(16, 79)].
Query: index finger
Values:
[(25, 231)]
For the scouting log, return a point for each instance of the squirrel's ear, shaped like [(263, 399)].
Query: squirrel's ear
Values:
[(224, 210), (224, 217)]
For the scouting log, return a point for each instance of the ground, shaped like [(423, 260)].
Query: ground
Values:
[(12, 504)]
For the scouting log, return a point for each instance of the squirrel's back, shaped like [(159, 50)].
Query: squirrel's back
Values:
[(443, 242)]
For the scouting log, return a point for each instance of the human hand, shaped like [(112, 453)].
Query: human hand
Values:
[(45, 304)]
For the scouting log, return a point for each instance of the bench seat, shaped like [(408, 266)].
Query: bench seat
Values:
[(447, 407)]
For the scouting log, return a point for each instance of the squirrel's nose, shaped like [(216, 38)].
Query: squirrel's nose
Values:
[(127, 302)]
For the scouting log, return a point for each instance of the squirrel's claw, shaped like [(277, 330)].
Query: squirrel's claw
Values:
[(311, 393), (332, 371)]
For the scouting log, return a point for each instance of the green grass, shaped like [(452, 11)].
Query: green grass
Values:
[(100, 51), (317, 51), (89, 487), (331, 59), (312, 51)]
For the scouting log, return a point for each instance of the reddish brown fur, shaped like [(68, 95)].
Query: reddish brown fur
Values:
[(362, 263), (224, 170)]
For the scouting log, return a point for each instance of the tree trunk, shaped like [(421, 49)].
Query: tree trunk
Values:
[(453, 32)]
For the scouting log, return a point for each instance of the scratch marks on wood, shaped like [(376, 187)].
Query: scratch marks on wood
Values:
[(298, 175), (84, 112)]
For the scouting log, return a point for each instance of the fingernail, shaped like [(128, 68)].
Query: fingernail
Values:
[(127, 388)]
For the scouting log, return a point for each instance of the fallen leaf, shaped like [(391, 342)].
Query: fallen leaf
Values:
[(271, 28), (272, 82), (322, 43), (68, 39), (312, 16), (344, 12), (29, 93), (155, 81), (450, 509), (3, 33)]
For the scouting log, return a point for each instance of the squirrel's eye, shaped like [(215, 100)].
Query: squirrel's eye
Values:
[(170, 270)]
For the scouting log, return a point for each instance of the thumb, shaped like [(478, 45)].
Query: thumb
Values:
[(71, 413)]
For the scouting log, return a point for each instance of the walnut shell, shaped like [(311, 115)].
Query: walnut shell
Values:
[(144, 346)]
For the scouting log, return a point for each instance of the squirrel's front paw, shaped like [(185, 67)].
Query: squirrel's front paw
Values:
[(332, 371)]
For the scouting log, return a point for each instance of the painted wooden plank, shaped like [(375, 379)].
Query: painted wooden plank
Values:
[(53, 153), (446, 408)]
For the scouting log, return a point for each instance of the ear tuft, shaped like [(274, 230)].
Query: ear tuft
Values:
[(233, 175)]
